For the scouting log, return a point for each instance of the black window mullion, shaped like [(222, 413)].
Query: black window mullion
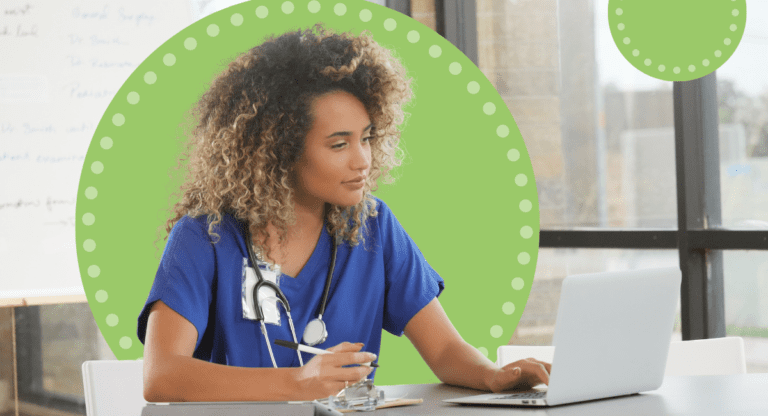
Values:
[(457, 23), (712, 206), (698, 205), (29, 338), (728, 239), (654, 239), (29, 353), (402, 6), (601, 238)]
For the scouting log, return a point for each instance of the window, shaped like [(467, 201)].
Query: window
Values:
[(537, 324), (632, 171), (50, 342), (746, 303)]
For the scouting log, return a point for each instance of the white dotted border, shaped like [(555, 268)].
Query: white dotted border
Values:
[(691, 68), (287, 7), (521, 180)]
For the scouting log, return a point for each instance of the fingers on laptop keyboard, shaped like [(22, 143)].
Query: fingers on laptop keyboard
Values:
[(539, 372), (527, 373), (547, 366)]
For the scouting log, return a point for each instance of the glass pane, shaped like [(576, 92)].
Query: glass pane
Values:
[(52, 342), (743, 107), (599, 132), (745, 275), (537, 323), (69, 337)]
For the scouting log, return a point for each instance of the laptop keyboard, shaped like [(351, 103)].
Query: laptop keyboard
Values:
[(534, 395)]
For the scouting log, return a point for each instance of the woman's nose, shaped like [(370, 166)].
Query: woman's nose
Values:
[(361, 160)]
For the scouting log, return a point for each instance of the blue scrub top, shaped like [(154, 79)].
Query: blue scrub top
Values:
[(379, 284)]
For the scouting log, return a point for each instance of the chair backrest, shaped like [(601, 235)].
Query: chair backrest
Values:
[(113, 388), (714, 356)]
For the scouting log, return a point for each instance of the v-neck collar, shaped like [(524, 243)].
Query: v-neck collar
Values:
[(320, 259)]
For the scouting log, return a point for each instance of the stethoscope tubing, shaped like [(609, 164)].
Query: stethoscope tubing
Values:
[(329, 277), (284, 301), (260, 315)]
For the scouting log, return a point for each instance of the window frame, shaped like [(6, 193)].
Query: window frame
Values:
[(699, 237), (30, 365)]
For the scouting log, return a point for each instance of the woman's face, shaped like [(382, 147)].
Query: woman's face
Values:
[(336, 160)]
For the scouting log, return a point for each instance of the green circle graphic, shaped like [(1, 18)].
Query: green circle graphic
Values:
[(465, 192), (677, 40)]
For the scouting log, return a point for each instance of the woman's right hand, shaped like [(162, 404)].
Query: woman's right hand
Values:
[(325, 375)]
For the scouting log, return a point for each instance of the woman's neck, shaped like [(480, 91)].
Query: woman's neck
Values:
[(300, 241), (309, 217), (308, 226)]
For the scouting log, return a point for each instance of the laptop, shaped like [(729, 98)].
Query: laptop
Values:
[(611, 339)]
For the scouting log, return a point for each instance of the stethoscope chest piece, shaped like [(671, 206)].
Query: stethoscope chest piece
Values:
[(315, 332)]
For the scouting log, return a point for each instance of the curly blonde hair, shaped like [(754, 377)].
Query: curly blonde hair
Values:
[(252, 123)]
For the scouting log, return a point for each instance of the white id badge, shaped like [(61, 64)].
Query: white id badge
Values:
[(266, 296)]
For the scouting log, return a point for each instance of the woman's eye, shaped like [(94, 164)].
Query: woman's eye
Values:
[(338, 145), (369, 139)]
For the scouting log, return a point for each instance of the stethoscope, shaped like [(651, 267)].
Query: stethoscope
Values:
[(315, 332)]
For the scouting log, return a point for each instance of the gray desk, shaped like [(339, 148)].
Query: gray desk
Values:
[(743, 394)]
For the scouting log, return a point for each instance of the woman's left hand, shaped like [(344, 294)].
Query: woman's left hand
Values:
[(520, 375)]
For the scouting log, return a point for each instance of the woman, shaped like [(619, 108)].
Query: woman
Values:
[(291, 140)]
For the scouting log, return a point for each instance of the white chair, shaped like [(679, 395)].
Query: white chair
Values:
[(113, 388), (714, 356)]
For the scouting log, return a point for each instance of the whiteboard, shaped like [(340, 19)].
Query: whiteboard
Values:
[(61, 62)]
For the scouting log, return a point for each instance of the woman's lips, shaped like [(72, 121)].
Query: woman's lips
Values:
[(356, 184)]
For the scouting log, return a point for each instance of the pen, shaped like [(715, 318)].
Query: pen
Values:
[(311, 350)]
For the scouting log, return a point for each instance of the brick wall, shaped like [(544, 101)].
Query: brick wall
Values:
[(518, 53), (424, 12)]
